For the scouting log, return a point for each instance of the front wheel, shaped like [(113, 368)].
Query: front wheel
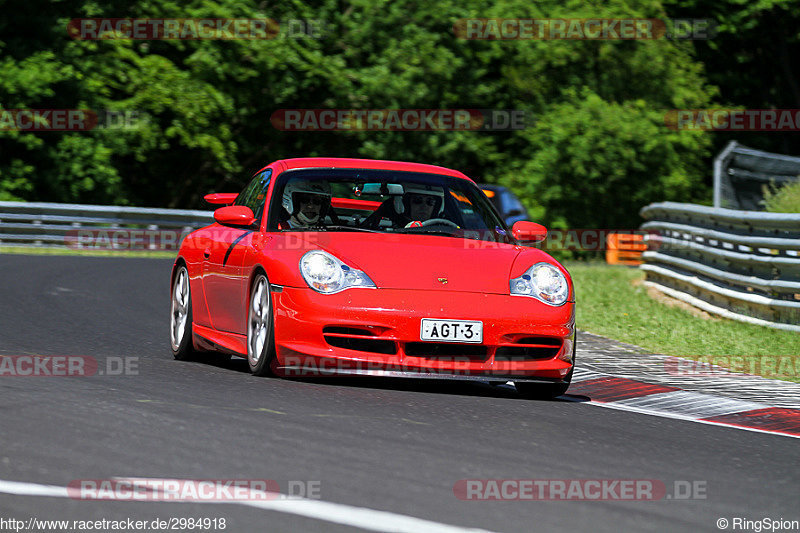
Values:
[(180, 322), (541, 391), (260, 334)]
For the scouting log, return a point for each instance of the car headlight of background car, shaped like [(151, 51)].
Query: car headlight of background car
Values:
[(327, 274), (544, 282)]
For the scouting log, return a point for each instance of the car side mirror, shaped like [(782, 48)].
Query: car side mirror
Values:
[(528, 231), (235, 215), (221, 198)]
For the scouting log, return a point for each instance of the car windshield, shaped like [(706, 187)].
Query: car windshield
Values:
[(385, 202)]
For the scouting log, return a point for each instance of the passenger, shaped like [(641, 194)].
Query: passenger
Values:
[(306, 203)]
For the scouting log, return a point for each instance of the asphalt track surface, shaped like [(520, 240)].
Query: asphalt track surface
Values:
[(397, 446)]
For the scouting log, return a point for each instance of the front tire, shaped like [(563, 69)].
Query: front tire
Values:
[(180, 331), (260, 333), (542, 391)]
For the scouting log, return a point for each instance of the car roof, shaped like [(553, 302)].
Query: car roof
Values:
[(377, 164)]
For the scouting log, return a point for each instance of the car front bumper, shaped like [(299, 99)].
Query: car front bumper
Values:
[(376, 332)]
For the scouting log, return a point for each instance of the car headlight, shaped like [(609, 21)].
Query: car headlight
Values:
[(544, 282), (327, 274)]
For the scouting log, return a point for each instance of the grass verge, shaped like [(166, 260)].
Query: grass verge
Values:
[(612, 302)]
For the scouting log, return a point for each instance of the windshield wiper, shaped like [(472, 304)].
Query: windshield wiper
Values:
[(350, 228), (411, 231)]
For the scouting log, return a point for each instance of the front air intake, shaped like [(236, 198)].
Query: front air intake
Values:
[(358, 339), (529, 349)]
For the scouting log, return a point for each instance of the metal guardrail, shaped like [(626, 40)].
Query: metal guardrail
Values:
[(743, 265), (95, 226)]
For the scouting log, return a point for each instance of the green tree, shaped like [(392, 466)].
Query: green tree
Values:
[(598, 105), (752, 58)]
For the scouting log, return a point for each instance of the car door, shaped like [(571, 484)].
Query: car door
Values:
[(223, 265)]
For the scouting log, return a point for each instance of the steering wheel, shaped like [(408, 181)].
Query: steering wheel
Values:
[(440, 221)]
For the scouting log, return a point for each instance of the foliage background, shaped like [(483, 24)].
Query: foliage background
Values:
[(599, 149), (784, 199)]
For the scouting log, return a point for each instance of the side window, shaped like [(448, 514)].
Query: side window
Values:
[(255, 194)]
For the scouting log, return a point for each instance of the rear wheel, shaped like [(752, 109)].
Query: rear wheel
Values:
[(180, 323), (260, 334)]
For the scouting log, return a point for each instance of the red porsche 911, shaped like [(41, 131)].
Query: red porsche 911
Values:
[(325, 266)]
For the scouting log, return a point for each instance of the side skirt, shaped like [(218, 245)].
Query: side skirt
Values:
[(210, 339)]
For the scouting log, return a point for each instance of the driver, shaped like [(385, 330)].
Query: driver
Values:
[(306, 203), (421, 203)]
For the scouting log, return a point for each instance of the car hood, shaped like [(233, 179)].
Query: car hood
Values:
[(423, 262)]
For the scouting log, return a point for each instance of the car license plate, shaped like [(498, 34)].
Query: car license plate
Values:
[(451, 330)]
